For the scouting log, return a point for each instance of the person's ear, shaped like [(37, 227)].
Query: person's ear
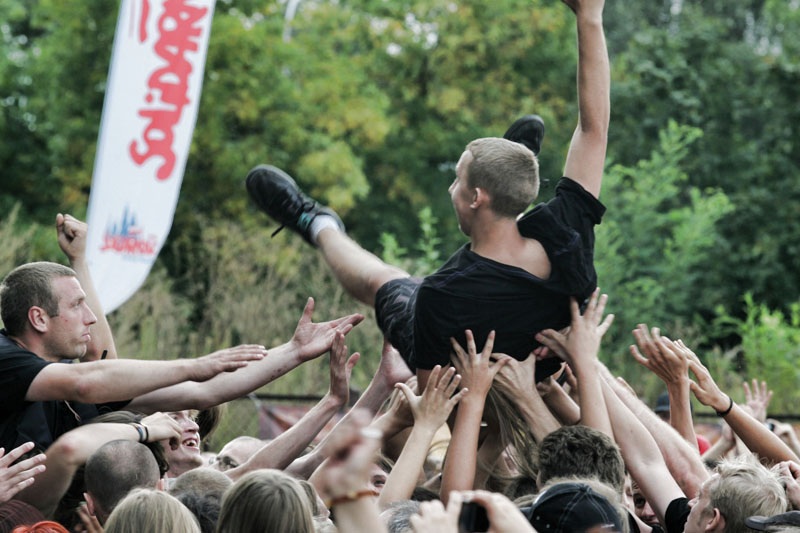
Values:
[(90, 505), (38, 319), (716, 522), (479, 197), (162, 484)]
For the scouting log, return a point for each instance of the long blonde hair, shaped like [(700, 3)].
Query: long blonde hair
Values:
[(151, 510)]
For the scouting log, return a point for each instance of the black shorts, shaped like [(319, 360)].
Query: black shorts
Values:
[(394, 311)]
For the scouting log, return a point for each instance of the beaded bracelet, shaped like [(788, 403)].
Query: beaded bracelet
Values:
[(726, 411), (349, 497)]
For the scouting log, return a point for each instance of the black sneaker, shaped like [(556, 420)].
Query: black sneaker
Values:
[(276, 193), (528, 130)]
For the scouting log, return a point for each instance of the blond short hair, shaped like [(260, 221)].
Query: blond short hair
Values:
[(507, 171)]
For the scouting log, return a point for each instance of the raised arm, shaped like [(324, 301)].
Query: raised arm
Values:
[(122, 379), (587, 150), (284, 449), (72, 240), (579, 348), (310, 340), (662, 357), (641, 455), (517, 381), (477, 373), (430, 410), (392, 369), (753, 433), (682, 460)]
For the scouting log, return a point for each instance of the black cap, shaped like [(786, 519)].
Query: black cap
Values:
[(572, 508), (768, 523), (662, 404)]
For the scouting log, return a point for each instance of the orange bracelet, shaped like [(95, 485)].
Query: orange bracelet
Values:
[(349, 497)]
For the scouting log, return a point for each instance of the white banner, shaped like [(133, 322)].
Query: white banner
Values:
[(149, 113)]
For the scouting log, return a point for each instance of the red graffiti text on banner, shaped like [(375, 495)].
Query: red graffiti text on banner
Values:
[(178, 33)]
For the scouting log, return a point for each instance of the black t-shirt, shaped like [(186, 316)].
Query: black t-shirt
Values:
[(41, 422), (473, 292), (677, 514)]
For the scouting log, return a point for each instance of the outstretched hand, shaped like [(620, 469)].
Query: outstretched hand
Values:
[(15, 477), (434, 405), (518, 378), (757, 399), (312, 339), (661, 356), (341, 369), (161, 426), (704, 387), (71, 236), (477, 369), (583, 341), (227, 360)]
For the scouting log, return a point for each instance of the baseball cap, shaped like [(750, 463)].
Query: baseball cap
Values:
[(572, 508)]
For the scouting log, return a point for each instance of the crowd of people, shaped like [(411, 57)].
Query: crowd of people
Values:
[(491, 409)]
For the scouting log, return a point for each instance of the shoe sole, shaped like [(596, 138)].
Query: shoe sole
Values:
[(523, 125), (256, 176)]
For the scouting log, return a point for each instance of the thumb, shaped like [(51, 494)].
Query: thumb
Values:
[(409, 394)]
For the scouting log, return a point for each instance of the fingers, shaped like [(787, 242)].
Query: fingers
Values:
[(433, 379), (453, 385), (407, 392), (495, 367), (488, 348), (351, 362), (471, 349), (748, 396), (15, 454), (308, 310), (554, 341), (458, 355), (605, 324), (638, 356)]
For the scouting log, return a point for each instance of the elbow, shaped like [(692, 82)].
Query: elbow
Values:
[(68, 449), (86, 391)]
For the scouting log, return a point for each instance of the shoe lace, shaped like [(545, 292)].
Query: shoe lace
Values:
[(305, 207)]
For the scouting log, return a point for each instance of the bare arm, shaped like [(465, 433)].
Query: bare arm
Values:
[(72, 450), (392, 369), (477, 374), (281, 451), (682, 460), (753, 433), (310, 340), (517, 381), (641, 455), (559, 402), (579, 348), (663, 358), (430, 410), (122, 379), (72, 240), (587, 150)]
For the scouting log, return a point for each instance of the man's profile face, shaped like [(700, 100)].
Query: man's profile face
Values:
[(461, 194), (68, 333), (701, 507)]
